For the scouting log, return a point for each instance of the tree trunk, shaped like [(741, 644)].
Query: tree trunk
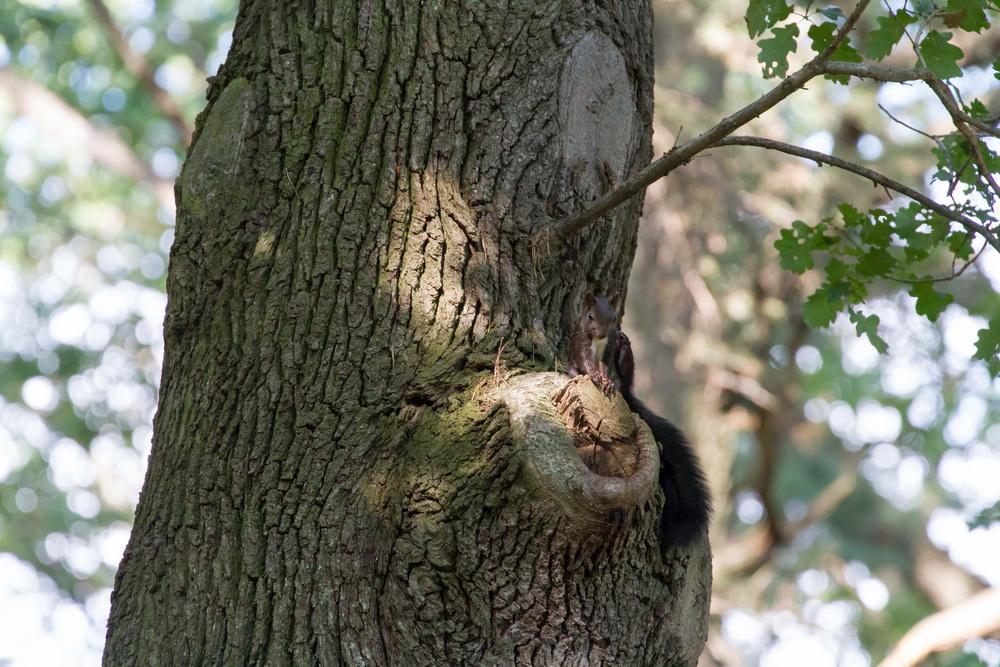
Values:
[(348, 466)]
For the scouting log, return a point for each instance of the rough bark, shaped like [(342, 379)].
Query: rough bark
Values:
[(339, 474)]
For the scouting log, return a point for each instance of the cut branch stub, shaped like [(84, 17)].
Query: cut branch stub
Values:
[(602, 427), (585, 452)]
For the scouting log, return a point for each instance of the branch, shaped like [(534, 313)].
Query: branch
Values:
[(936, 576), (746, 386), (876, 73), (958, 117), (139, 68), (886, 75), (983, 127), (680, 155), (828, 500), (957, 173), (976, 616), (873, 176), (935, 139)]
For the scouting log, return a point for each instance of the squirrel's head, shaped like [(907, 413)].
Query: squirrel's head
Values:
[(599, 314)]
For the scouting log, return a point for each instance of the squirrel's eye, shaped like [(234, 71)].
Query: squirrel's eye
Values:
[(590, 316)]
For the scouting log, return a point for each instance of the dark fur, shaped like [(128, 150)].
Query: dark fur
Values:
[(598, 321), (687, 506)]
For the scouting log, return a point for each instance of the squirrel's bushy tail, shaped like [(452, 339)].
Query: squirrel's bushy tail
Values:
[(687, 505)]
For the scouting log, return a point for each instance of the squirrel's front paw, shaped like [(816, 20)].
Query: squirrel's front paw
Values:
[(604, 382)]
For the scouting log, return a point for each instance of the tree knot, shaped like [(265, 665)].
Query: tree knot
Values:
[(602, 428), (584, 453)]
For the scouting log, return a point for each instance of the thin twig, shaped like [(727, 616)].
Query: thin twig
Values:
[(969, 262), (953, 183), (885, 75), (932, 137), (909, 281), (874, 176), (876, 73), (141, 70), (959, 118)]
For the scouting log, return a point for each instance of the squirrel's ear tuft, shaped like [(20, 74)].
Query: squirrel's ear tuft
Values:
[(614, 302), (588, 299)]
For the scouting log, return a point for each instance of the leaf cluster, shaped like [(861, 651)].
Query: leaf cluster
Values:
[(896, 243), (860, 248), (934, 46)]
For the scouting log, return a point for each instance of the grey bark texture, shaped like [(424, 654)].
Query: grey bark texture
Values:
[(347, 464)]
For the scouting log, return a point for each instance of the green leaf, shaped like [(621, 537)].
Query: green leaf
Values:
[(965, 14), (991, 158), (876, 262), (833, 13), (762, 14), (977, 109), (877, 231), (846, 53), (907, 220), (996, 68), (986, 517), (930, 302), (796, 245), (774, 50), (854, 290), (867, 325), (821, 308), (919, 244), (939, 55), (988, 342), (954, 155), (822, 36), (960, 243), (889, 31), (988, 346), (852, 216), (836, 271)]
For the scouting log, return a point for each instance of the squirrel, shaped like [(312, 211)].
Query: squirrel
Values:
[(589, 342), (604, 353)]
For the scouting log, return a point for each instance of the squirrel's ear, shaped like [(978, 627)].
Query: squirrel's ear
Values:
[(588, 299), (614, 302)]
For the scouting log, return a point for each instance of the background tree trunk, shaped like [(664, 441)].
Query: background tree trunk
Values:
[(331, 480)]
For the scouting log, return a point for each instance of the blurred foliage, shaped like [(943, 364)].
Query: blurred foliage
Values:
[(84, 234), (779, 412)]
